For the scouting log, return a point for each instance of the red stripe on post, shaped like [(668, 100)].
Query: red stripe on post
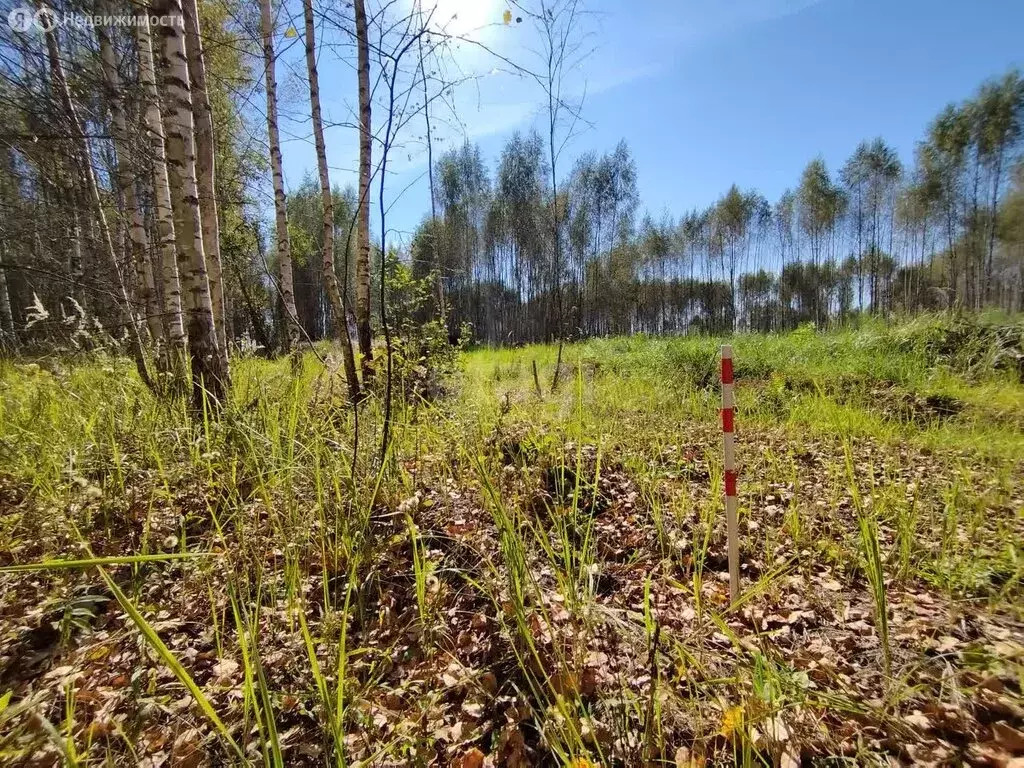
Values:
[(730, 482), (727, 414), (727, 370)]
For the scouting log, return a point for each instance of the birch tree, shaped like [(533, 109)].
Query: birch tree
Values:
[(205, 168), (7, 334), (339, 304), (209, 372), (1001, 117), (284, 258), (363, 224), (139, 240), (163, 212), (441, 311)]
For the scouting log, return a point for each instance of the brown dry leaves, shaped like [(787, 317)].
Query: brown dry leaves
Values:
[(794, 674)]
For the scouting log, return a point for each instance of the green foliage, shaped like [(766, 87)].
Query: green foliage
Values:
[(423, 353)]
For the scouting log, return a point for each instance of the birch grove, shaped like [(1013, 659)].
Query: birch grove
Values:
[(157, 209), (83, 165)]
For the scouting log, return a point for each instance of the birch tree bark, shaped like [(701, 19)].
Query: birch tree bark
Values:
[(205, 166), (363, 224), (339, 305), (138, 239), (8, 338), (209, 374), (75, 262), (284, 258), (84, 158), (163, 212)]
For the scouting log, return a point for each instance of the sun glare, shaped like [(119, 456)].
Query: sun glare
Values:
[(465, 17)]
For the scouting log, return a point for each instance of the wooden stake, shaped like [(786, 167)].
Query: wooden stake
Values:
[(728, 424)]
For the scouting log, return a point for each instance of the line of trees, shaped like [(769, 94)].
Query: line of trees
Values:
[(131, 164), (109, 210), (132, 161), (876, 237)]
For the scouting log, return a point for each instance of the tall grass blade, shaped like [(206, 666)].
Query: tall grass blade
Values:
[(171, 661)]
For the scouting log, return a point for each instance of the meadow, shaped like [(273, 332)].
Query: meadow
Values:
[(530, 577)]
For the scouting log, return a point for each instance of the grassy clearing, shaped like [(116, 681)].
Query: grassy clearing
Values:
[(532, 580)]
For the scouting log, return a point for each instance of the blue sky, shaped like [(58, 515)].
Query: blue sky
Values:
[(705, 92)]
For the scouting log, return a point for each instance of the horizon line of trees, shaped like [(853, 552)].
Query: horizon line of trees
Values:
[(129, 162), (878, 237)]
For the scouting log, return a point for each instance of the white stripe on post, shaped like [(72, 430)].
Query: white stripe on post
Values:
[(728, 425)]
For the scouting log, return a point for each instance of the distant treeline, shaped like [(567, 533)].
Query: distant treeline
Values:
[(512, 257), (876, 237)]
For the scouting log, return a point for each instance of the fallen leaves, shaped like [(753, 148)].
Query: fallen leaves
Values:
[(687, 758), (490, 678), (474, 758), (1008, 737)]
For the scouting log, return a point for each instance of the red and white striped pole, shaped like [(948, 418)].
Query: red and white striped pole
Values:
[(728, 424)]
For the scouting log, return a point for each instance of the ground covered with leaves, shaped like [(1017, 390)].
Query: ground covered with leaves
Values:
[(529, 579)]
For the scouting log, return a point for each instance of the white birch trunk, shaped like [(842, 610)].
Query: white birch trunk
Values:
[(209, 374), (365, 159), (284, 257), (206, 166), (163, 212), (8, 338), (138, 239)]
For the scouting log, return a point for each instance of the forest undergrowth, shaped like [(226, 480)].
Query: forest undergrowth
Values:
[(532, 577)]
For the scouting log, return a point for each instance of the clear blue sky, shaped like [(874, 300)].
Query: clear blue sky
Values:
[(706, 92)]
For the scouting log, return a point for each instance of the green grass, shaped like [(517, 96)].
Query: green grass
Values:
[(538, 578)]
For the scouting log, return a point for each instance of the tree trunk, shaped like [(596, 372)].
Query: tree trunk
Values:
[(338, 303), (210, 376), (85, 161), (8, 338), (205, 168), (138, 239), (75, 264), (442, 313), (163, 212), (975, 240), (363, 228), (992, 223), (954, 274), (284, 256)]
